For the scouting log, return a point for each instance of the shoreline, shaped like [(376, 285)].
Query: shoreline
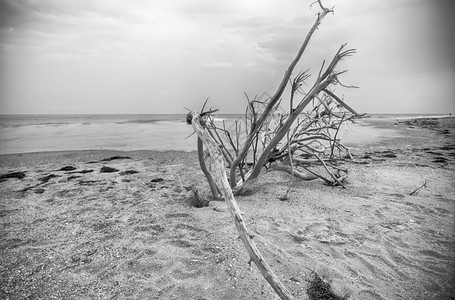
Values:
[(127, 136), (14, 159), (373, 122), (120, 224)]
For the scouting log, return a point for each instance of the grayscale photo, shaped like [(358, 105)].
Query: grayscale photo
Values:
[(227, 150)]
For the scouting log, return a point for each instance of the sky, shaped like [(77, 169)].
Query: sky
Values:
[(149, 56)]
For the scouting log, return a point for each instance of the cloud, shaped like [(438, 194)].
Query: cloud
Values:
[(213, 48), (205, 7), (218, 65)]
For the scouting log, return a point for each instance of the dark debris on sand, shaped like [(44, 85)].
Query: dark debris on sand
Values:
[(47, 178), (105, 169), (73, 177), (17, 175), (153, 183), (82, 171), (319, 289), (117, 157), (67, 168), (88, 182), (129, 172), (157, 180), (39, 191)]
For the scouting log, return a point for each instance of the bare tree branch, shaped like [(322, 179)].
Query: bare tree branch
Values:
[(275, 98)]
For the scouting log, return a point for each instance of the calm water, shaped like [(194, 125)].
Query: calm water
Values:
[(34, 133)]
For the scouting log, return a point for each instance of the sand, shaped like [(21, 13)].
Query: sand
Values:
[(120, 225)]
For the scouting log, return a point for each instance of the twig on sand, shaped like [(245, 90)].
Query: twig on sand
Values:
[(416, 191)]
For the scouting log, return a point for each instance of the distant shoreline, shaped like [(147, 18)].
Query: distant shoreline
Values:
[(151, 133)]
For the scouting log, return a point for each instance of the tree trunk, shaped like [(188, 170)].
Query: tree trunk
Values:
[(203, 165), (220, 177)]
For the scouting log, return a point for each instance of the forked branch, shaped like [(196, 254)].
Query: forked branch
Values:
[(256, 126)]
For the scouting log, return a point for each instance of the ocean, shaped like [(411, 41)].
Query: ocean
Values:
[(37, 133)]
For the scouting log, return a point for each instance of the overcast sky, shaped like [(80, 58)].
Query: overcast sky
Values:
[(146, 56)]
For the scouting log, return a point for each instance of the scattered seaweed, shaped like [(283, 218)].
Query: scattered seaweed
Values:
[(88, 182), (67, 168), (17, 175), (439, 159), (153, 183), (39, 191), (47, 178), (117, 157), (105, 169), (82, 171), (448, 147), (158, 179), (73, 177), (129, 172)]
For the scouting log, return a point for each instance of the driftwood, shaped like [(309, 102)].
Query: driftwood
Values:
[(310, 128), (311, 149), (256, 126), (200, 149), (417, 190), (220, 178)]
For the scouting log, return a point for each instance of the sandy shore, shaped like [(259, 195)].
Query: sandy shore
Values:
[(120, 225)]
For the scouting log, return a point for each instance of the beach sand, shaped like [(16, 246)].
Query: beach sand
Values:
[(120, 225)]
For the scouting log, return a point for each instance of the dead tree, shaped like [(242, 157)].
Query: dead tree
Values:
[(311, 149)]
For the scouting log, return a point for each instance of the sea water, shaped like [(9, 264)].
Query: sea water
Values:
[(36, 133)]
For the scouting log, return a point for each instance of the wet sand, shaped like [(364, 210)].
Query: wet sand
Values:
[(120, 225)]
